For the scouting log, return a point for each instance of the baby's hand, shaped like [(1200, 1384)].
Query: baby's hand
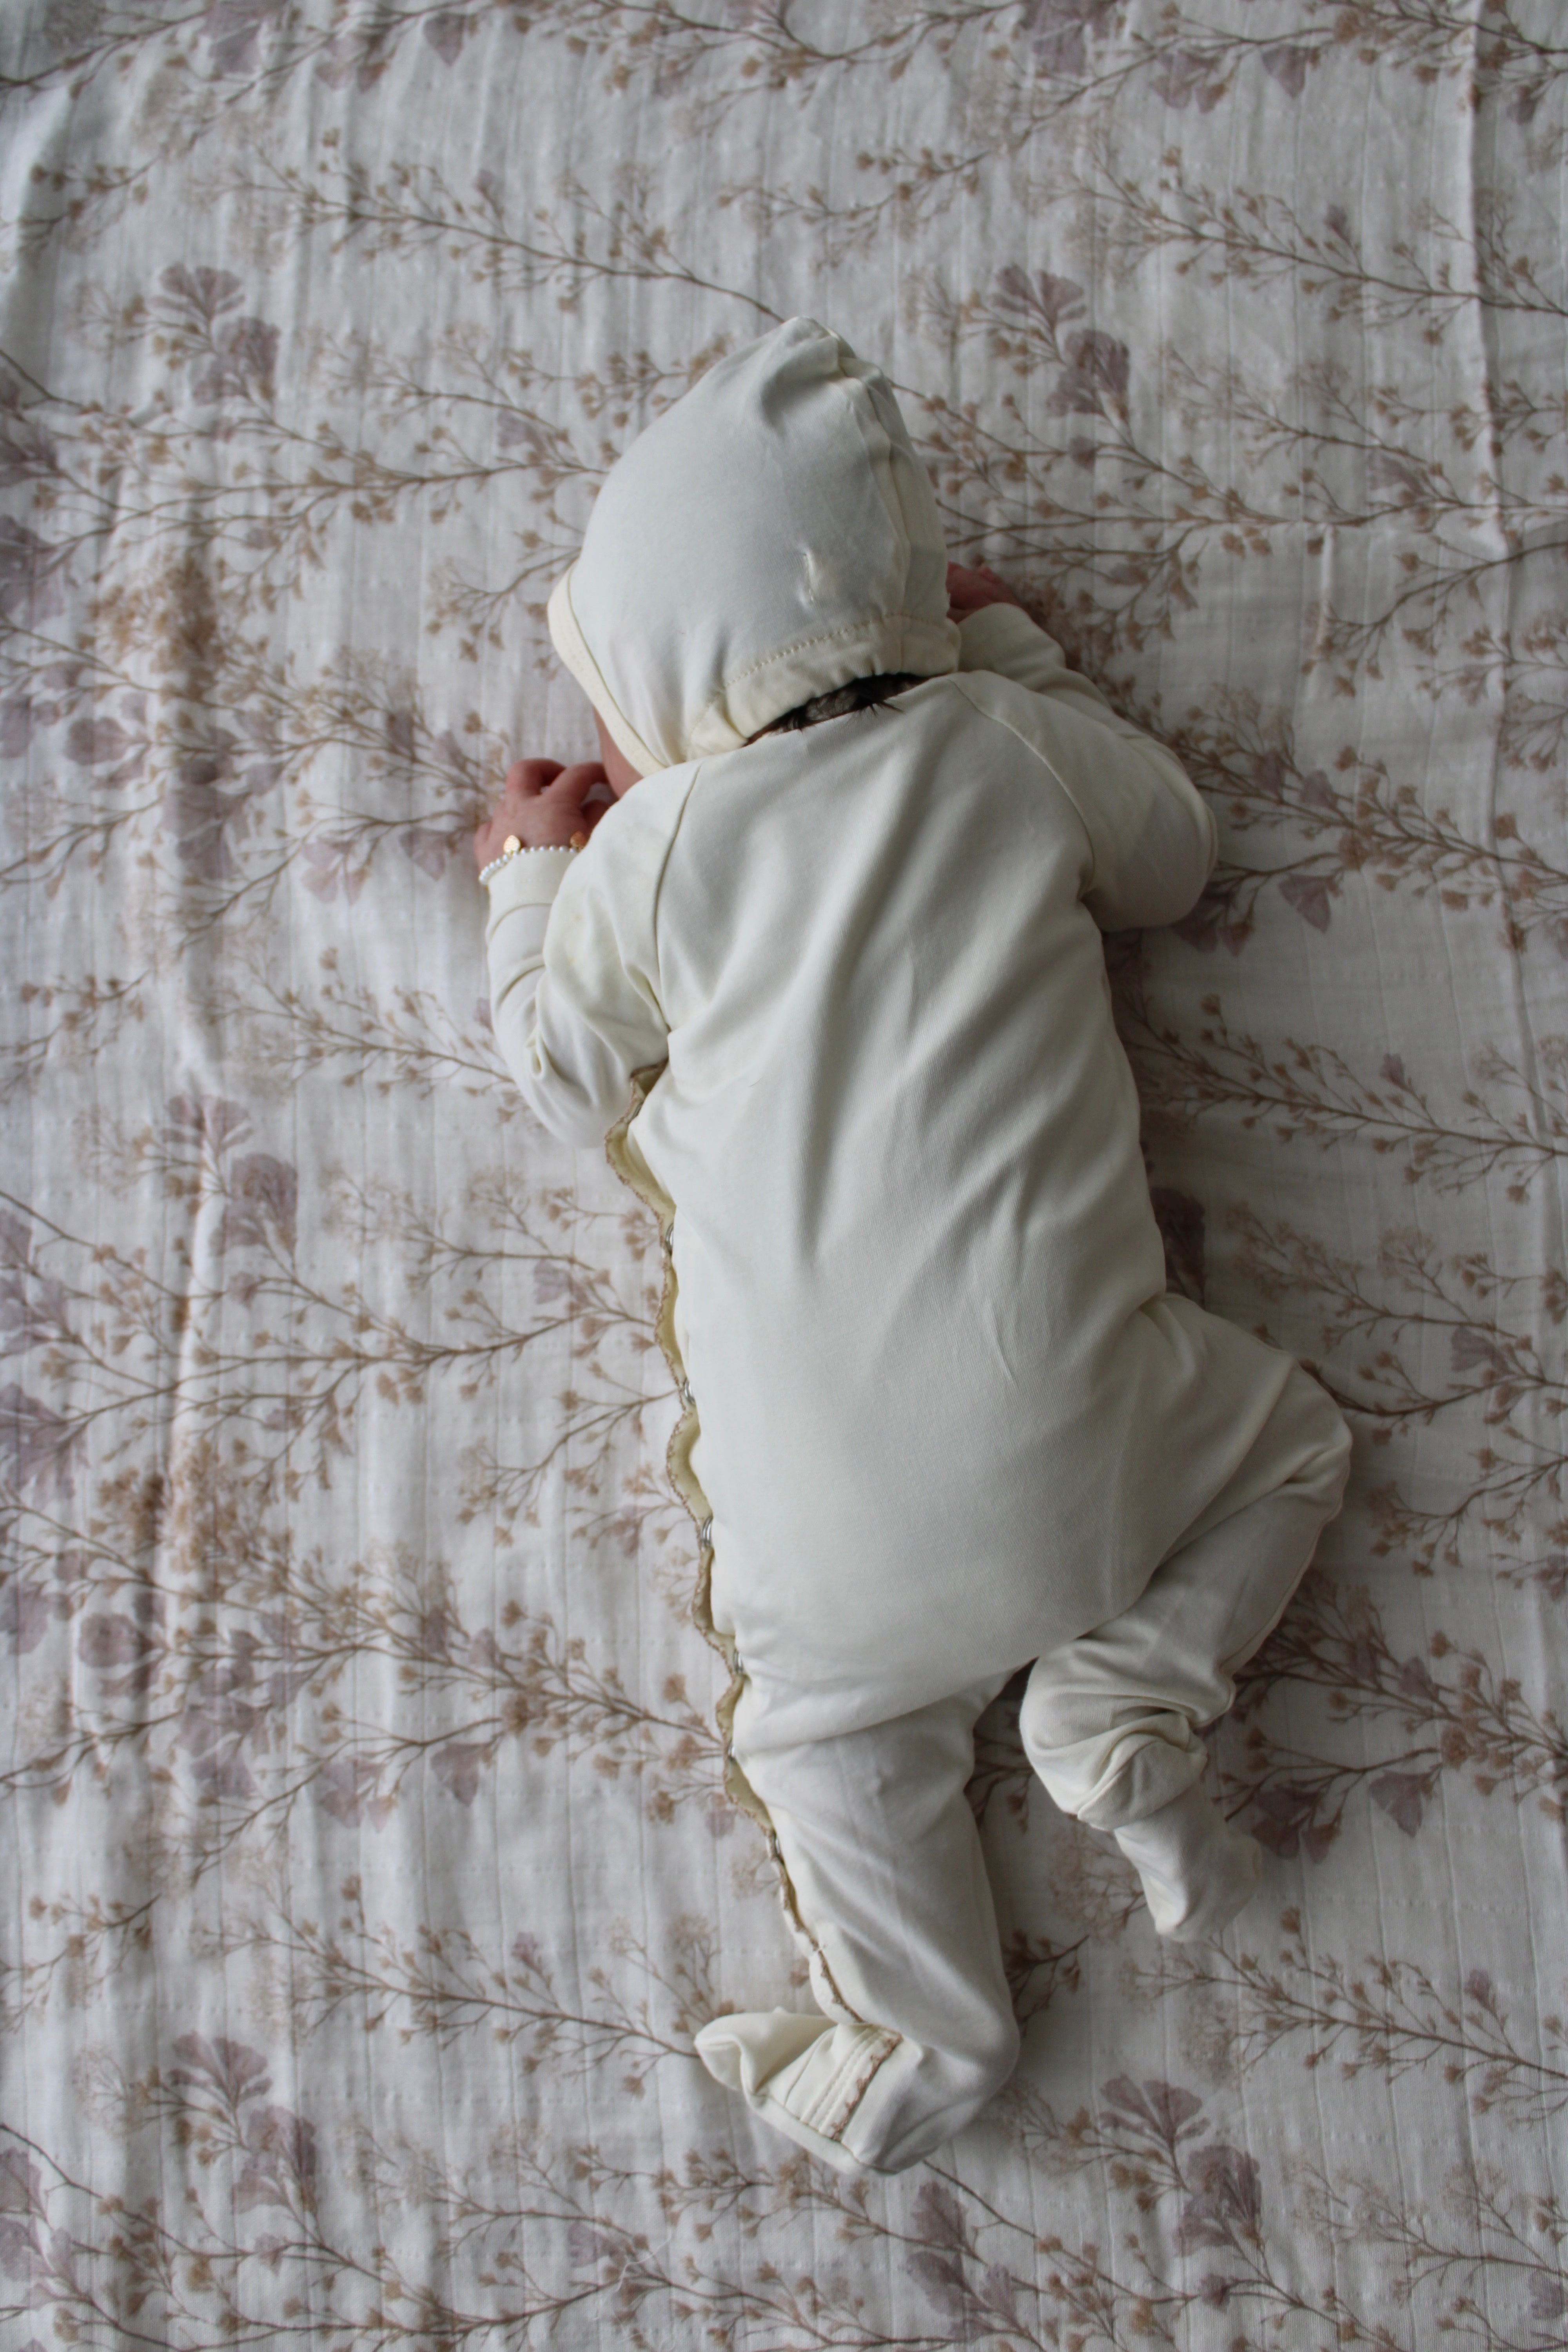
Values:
[(971, 588), (542, 806)]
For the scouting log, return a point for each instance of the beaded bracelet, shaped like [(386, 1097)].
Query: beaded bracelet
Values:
[(511, 847)]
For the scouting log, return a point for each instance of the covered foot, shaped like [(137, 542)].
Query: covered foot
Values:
[(804, 2075), (1198, 1871)]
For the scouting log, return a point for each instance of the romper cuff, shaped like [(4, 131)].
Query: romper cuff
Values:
[(530, 879)]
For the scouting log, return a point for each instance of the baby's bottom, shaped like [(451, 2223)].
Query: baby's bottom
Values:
[(883, 1857)]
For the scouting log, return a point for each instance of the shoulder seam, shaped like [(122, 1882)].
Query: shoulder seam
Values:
[(960, 680), (697, 768)]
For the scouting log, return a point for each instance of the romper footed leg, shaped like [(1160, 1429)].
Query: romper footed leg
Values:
[(888, 1877), (1109, 1722)]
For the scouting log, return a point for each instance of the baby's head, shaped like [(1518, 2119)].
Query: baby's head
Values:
[(770, 542)]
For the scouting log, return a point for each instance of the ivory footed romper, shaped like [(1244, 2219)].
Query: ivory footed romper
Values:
[(942, 1418)]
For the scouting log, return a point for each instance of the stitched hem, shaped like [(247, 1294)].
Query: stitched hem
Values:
[(835, 2105)]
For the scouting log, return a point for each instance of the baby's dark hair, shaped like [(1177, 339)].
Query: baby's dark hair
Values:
[(860, 694)]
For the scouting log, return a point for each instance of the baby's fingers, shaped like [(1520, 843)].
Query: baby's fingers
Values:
[(527, 778)]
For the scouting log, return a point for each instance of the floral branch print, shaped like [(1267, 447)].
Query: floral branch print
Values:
[(265, 516), (1447, 1710), (292, 1383), (223, 1699), (398, 1040), (1530, 665), (1074, 58), (414, 207), (1306, 1091), (219, 1700), (262, 2267), (216, 69), (184, 782), (1190, 2193), (1348, 818), (1321, 457), (1451, 1712), (1414, 1300), (1258, 239), (1157, 2138), (1386, 2017), (438, 1985)]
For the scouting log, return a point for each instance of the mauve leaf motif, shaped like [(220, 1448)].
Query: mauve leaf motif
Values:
[(1185, 77), (1415, 1680), (96, 742), (1283, 1820), (29, 585), (1548, 2296), (214, 1121), (996, 2293), (280, 2159), (27, 453), (942, 2276), (1161, 2108), (205, 293), (1404, 1797), (328, 869), (107, 1642), (21, 2183), (457, 1767), (346, 1787), (21, 2256), (429, 850), (202, 816), (1310, 895), (34, 1308), (243, 362), (1051, 299), (234, 27), (38, 1445), (263, 1199), (1226, 2199), (1394, 469), (26, 1610), (212, 1732), (588, 2244), (1287, 63), (1059, 31), (939, 2217), (1471, 1350), (232, 2069), (446, 33), (1098, 365)]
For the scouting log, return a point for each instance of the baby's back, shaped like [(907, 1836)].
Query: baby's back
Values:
[(901, 1136)]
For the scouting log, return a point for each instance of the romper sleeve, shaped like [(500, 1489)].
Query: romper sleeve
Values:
[(574, 983), (1150, 834)]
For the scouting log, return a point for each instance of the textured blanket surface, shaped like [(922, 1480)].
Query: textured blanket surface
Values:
[(366, 1869)]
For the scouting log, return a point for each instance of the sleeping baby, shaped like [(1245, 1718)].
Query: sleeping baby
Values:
[(826, 972)]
